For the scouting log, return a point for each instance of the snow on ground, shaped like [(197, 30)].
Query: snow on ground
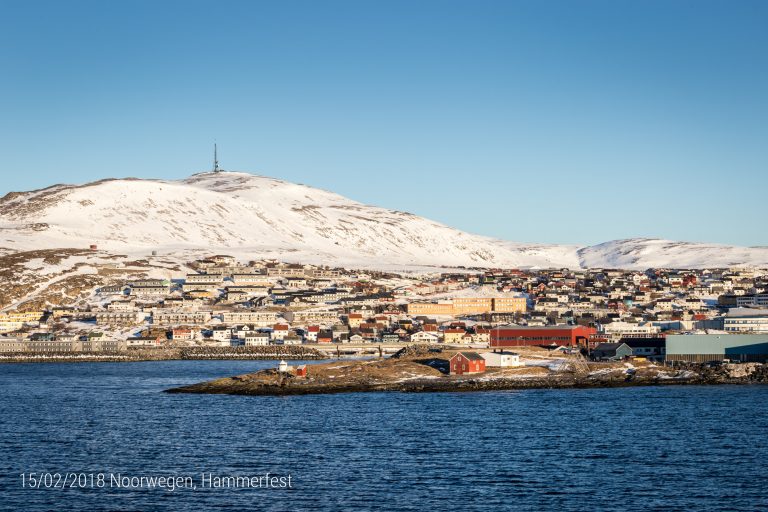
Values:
[(551, 363), (241, 213), (253, 217), (642, 253), (685, 374), (472, 292)]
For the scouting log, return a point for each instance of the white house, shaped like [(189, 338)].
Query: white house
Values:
[(502, 359), (619, 329), (241, 331), (222, 334), (292, 339), (311, 333), (424, 337), (280, 331), (253, 339)]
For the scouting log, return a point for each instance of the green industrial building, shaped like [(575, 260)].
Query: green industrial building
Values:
[(703, 348)]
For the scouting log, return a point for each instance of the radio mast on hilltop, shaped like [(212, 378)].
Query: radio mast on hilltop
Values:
[(215, 159)]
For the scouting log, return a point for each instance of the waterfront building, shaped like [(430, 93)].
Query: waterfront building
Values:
[(221, 334), (466, 362), (611, 351), (183, 334), (702, 348), (144, 342), (501, 359), (11, 345), (53, 345), (650, 348), (256, 339)]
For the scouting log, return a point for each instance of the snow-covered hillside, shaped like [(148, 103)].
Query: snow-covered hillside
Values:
[(642, 253), (253, 216)]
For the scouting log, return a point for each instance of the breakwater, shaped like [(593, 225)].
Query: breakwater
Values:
[(261, 352), (288, 352)]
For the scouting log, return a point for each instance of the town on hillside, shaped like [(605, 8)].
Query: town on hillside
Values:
[(659, 315)]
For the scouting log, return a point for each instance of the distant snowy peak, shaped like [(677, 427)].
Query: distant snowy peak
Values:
[(255, 216), (642, 253)]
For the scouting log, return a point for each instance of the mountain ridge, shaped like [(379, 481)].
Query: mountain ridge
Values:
[(260, 216)]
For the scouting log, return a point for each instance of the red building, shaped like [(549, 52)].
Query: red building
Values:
[(466, 362), (562, 335)]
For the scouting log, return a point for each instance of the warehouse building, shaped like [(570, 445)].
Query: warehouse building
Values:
[(703, 348), (562, 335)]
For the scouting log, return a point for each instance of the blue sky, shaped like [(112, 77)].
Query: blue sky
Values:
[(548, 121)]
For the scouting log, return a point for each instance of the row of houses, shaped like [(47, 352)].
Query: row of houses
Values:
[(47, 343)]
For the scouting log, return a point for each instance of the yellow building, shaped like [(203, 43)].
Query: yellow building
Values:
[(354, 320), (8, 326), (469, 306), (454, 335), (15, 320), (430, 308), (510, 305), (22, 316), (472, 305)]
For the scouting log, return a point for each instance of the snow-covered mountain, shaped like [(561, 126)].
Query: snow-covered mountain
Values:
[(642, 253), (254, 216), (251, 216)]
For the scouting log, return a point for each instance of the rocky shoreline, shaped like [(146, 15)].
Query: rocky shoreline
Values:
[(243, 387), (425, 372)]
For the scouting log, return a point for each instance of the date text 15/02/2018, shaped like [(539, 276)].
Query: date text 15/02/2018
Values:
[(70, 480)]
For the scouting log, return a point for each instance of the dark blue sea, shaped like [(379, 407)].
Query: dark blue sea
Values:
[(645, 448)]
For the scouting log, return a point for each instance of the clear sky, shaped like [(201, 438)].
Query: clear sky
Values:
[(549, 121)]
